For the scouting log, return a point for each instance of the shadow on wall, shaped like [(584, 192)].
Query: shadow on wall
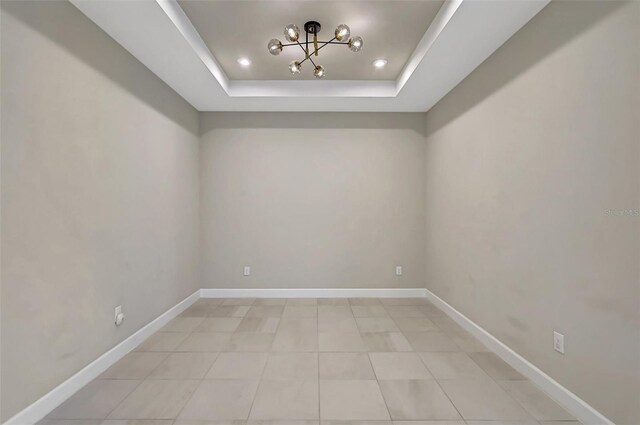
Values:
[(313, 120), (62, 23), (563, 21)]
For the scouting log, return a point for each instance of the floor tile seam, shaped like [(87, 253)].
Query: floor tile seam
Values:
[(186, 401), (318, 357), (438, 380), (212, 364), (255, 394), (123, 399), (384, 400), (450, 400)]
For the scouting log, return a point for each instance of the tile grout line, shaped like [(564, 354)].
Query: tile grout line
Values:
[(384, 400), (489, 376), (123, 400), (318, 356), (442, 389), (201, 380), (448, 398), (255, 394)]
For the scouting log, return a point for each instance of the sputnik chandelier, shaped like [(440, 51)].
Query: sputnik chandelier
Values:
[(312, 28)]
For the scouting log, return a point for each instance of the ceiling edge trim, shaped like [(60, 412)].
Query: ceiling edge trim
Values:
[(442, 18), (320, 88), (184, 25)]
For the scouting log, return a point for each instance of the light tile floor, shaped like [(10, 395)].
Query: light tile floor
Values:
[(358, 361)]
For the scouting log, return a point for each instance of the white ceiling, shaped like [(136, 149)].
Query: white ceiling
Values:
[(234, 29), (160, 34)]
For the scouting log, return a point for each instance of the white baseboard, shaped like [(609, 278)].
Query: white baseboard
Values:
[(43, 406), (571, 402), (315, 293)]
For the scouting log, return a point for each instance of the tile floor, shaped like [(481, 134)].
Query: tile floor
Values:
[(363, 361)]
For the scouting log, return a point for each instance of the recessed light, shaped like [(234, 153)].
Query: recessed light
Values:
[(244, 61), (379, 63)]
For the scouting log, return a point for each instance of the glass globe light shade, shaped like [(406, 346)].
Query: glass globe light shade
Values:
[(318, 71), (291, 33), (355, 44), (295, 67), (275, 47), (342, 32)]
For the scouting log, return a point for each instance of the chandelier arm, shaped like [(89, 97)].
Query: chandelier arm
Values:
[(305, 52), (315, 42), (325, 43), (306, 56)]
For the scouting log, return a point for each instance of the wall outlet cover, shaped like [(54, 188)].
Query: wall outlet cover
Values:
[(118, 315), (558, 342)]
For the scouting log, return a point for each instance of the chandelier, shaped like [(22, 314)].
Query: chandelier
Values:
[(312, 28)]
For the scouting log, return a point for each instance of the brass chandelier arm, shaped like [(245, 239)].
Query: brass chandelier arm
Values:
[(306, 45), (319, 42), (323, 43), (306, 57)]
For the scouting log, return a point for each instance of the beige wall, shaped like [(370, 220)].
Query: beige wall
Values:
[(99, 196), (312, 200), (531, 163)]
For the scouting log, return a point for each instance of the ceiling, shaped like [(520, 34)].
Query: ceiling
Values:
[(241, 29), (193, 46)]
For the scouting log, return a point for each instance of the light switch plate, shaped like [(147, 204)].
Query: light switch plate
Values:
[(247, 270)]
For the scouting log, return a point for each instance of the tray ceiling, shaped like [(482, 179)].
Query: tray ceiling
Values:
[(241, 29), (196, 59)]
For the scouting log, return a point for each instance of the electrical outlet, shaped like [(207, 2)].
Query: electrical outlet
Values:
[(247, 270), (118, 316), (398, 270), (558, 342)]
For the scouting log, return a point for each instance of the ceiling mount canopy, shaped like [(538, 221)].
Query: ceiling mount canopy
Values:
[(312, 28)]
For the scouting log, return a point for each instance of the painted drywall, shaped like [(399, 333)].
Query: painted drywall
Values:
[(533, 198), (99, 196), (312, 200)]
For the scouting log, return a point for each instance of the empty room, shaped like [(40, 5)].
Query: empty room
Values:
[(297, 212)]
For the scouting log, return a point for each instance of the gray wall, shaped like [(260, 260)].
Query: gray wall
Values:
[(312, 200), (533, 193), (99, 196)]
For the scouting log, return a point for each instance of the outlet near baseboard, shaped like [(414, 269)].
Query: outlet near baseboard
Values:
[(558, 342)]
